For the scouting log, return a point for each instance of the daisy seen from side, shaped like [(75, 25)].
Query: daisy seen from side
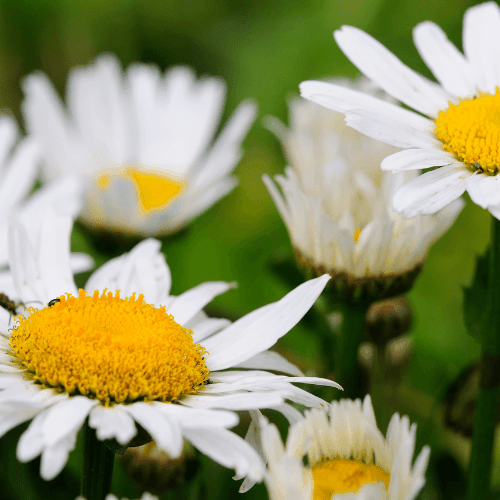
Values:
[(142, 142), (454, 126), (337, 203), (125, 353)]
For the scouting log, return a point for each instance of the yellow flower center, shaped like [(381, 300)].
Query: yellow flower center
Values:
[(471, 131), (155, 190), (356, 235), (111, 349), (344, 476)]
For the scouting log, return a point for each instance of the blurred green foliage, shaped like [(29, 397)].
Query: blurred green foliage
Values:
[(263, 49)]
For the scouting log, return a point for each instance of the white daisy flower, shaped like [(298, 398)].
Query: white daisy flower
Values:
[(141, 142), (137, 355), (348, 457), (460, 130), (337, 203)]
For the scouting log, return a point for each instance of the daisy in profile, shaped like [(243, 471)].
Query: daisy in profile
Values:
[(337, 203), (455, 124), (141, 141), (124, 353), (347, 456)]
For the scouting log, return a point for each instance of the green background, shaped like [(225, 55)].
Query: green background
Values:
[(263, 49)]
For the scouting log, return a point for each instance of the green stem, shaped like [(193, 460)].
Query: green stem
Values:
[(98, 461), (489, 387), (352, 333)]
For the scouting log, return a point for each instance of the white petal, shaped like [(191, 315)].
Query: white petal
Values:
[(112, 423), (432, 191), (8, 135), (416, 159), (208, 327), (270, 360), (54, 457), (387, 71), (13, 414), (229, 349), (229, 450), (343, 99), (446, 62), (386, 129), (185, 306), (236, 402), (484, 189), (481, 41), (197, 418), (165, 431)]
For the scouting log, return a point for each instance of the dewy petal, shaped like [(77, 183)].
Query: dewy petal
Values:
[(416, 159), (387, 71), (112, 423), (228, 350), (432, 191), (446, 62), (344, 99), (481, 41), (229, 450), (386, 129), (484, 189)]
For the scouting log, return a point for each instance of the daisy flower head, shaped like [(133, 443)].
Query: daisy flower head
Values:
[(454, 125), (125, 353), (142, 142), (348, 457), (337, 203)]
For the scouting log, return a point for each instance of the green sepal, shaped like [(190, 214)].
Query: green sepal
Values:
[(475, 300)]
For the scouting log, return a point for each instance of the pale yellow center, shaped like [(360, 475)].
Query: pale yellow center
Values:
[(356, 235), (471, 131), (155, 190), (344, 476), (110, 349)]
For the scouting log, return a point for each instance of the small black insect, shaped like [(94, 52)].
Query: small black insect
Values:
[(53, 302)]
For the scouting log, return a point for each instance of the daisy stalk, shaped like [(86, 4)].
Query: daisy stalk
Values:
[(483, 435)]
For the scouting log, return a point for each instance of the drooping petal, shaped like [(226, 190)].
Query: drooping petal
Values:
[(416, 159)]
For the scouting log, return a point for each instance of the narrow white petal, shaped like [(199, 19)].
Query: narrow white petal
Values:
[(386, 129), (13, 414), (236, 402), (8, 135), (54, 457), (31, 444), (481, 41), (197, 418), (484, 190), (416, 159), (112, 423), (446, 62), (208, 327), (270, 360), (229, 350), (186, 305), (343, 99), (229, 450), (164, 430), (387, 71), (432, 191)]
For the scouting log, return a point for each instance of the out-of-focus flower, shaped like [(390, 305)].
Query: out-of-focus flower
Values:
[(348, 457), (141, 141), (129, 352), (337, 204), (145, 496), (460, 130)]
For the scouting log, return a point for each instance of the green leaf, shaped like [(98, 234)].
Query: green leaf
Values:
[(475, 299)]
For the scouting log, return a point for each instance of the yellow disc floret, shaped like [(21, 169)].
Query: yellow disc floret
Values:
[(471, 131), (111, 349), (344, 476)]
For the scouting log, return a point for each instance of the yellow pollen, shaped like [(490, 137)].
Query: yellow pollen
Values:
[(344, 476), (155, 190), (103, 181), (471, 131), (356, 235), (111, 349)]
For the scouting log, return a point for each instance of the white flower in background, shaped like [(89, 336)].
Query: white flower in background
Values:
[(460, 130), (143, 142), (145, 496), (137, 355), (337, 203), (348, 457)]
